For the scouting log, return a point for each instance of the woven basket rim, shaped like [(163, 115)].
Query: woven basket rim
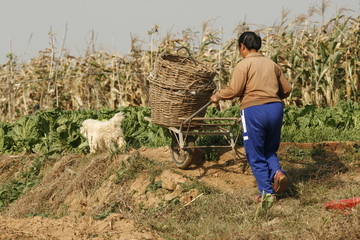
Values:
[(168, 58)]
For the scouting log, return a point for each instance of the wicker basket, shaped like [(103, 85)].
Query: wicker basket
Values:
[(179, 88)]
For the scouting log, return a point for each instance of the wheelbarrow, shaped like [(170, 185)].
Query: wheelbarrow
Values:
[(183, 146)]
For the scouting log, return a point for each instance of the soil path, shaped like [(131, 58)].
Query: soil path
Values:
[(115, 226)]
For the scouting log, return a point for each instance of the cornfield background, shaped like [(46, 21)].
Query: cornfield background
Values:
[(320, 60)]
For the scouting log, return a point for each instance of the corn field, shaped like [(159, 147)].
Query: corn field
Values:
[(321, 62)]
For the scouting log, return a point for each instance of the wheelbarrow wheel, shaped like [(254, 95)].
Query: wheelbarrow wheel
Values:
[(183, 158)]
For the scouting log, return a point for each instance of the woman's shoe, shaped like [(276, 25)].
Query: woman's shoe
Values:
[(281, 182)]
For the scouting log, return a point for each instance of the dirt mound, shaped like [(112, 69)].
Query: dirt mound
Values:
[(68, 184), (76, 189), (81, 197), (228, 173)]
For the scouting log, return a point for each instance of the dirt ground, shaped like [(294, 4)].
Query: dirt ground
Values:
[(83, 189)]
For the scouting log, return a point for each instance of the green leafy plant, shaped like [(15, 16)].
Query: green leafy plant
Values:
[(14, 188), (140, 132), (56, 131)]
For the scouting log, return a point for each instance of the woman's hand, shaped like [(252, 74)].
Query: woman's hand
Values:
[(214, 98)]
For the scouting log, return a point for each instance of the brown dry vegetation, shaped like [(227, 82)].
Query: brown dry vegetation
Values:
[(142, 195), (322, 63)]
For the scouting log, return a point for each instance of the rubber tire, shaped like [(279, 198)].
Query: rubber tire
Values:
[(183, 158)]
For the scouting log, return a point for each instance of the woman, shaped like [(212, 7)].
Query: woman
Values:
[(261, 86)]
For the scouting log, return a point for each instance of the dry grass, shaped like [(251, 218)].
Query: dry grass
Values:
[(71, 180)]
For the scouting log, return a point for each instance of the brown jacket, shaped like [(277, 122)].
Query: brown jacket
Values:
[(256, 80)]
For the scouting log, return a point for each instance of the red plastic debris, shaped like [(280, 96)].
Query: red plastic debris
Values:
[(342, 204)]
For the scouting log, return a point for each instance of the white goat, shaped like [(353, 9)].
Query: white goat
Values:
[(103, 135)]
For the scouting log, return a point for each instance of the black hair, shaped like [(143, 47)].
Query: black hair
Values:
[(250, 40)]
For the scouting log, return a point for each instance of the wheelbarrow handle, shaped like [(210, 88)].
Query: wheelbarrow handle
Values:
[(195, 113)]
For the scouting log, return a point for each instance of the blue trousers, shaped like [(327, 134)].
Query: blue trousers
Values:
[(261, 134)]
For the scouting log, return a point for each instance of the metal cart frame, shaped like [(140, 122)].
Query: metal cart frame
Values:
[(183, 146)]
